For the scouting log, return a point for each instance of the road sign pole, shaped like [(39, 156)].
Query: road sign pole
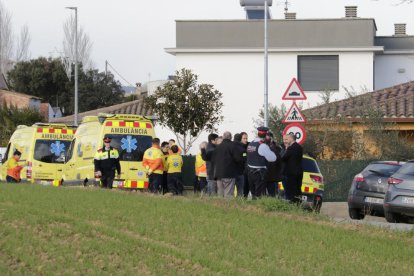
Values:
[(266, 101)]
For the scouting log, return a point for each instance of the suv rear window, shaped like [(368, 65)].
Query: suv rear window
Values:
[(51, 151), (310, 165), (131, 147), (385, 169), (407, 168)]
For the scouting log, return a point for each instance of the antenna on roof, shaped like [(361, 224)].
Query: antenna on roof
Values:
[(287, 4)]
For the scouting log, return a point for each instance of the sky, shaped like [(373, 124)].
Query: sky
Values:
[(132, 34)]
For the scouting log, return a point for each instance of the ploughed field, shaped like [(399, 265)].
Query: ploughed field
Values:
[(46, 230)]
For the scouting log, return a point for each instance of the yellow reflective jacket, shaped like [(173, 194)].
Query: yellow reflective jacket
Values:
[(200, 166), (153, 159), (174, 163)]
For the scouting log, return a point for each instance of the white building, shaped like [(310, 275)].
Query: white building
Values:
[(323, 54)]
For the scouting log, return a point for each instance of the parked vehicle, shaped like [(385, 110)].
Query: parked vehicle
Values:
[(312, 184), (399, 198), (44, 147), (367, 192), (131, 135)]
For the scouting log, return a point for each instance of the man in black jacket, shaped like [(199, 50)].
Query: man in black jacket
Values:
[(274, 169), (227, 158), (208, 155), (241, 166), (293, 170)]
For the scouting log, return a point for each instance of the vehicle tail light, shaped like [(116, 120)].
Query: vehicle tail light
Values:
[(394, 181), (29, 170), (316, 178), (359, 178)]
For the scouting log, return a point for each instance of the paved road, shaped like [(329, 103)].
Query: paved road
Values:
[(338, 211)]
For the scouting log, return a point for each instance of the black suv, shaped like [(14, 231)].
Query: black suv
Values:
[(367, 192)]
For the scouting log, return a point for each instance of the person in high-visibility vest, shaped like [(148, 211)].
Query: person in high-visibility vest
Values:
[(171, 143), (13, 168), (174, 165), (106, 162), (154, 164), (165, 148), (201, 171)]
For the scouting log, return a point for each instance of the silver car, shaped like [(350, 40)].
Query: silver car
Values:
[(399, 198)]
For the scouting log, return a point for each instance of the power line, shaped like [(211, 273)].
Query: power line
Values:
[(119, 75)]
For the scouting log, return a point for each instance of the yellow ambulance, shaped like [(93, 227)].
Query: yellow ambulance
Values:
[(43, 147), (131, 136)]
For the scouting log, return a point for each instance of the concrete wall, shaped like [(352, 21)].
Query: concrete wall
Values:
[(388, 70), (239, 76)]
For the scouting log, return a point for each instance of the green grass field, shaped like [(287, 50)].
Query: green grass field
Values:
[(47, 230)]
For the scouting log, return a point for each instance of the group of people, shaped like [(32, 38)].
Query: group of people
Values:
[(237, 166), (225, 166)]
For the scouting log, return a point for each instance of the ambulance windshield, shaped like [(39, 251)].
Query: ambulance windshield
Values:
[(131, 147), (51, 151)]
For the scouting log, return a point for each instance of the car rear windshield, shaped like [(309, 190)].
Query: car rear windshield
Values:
[(51, 151), (310, 165), (131, 147), (407, 168), (383, 169)]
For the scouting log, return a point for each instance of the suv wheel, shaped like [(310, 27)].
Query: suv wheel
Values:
[(392, 217), (355, 213)]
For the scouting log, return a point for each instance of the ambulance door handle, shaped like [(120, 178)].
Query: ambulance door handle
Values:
[(133, 169), (59, 170)]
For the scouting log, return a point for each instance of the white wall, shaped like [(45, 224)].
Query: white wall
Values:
[(239, 76), (386, 70)]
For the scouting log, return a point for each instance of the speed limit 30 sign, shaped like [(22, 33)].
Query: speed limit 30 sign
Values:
[(297, 130)]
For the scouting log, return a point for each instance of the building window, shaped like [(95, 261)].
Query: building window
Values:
[(318, 73)]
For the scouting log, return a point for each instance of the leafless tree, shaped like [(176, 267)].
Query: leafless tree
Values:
[(22, 47), (6, 39), (84, 46), (12, 48)]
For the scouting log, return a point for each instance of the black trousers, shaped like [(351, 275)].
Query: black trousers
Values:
[(155, 182), (107, 179), (257, 182), (272, 188), (202, 184), (246, 187), (175, 184), (164, 183), (293, 189)]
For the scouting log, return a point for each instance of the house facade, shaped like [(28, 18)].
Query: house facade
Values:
[(337, 55)]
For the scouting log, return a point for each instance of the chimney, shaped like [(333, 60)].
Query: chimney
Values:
[(400, 29), (290, 15), (351, 11)]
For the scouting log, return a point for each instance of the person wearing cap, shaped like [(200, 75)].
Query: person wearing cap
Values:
[(106, 163), (13, 168), (153, 162), (258, 154)]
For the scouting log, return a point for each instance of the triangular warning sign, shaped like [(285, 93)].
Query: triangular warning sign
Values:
[(294, 115), (294, 91)]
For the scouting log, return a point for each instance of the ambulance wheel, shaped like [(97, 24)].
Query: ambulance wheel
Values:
[(85, 182)]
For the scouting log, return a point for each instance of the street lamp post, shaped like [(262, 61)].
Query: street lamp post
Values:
[(75, 120), (254, 5), (266, 87)]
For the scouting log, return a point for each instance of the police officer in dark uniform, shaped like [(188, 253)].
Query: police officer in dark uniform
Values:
[(106, 162), (258, 154)]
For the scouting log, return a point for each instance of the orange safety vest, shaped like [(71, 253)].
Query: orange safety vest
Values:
[(154, 160), (200, 166), (13, 169)]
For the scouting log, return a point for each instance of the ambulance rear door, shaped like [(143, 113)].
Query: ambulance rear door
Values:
[(48, 158)]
